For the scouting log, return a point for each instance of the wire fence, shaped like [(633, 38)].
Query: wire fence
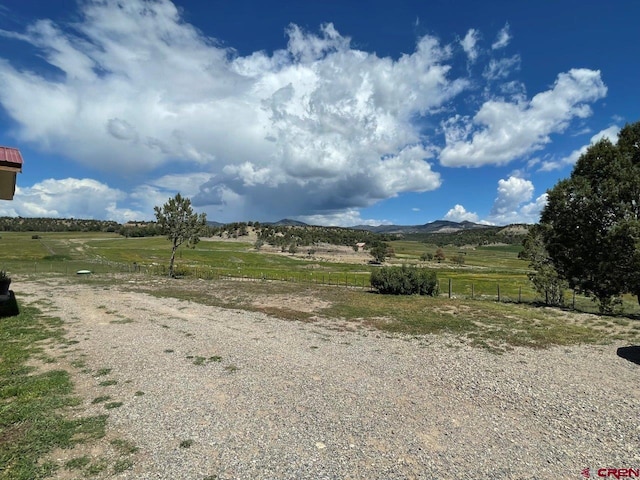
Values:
[(500, 291)]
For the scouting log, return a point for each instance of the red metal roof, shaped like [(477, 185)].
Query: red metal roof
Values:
[(10, 157)]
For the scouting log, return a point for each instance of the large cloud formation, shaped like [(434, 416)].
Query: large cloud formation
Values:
[(135, 88), (315, 129)]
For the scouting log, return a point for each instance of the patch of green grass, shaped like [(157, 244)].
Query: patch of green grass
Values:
[(186, 443), (122, 465), (97, 467), (139, 393), (56, 258), (33, 404), (122, 321), (199, 360), (231, 368), (203, 360), (108, 383), (102, 372), (101, 399), (483, 322), (79, 364), (112, 405), (77, 463), (125, 447)]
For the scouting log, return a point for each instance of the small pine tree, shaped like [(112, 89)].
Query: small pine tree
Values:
[(177, 220)]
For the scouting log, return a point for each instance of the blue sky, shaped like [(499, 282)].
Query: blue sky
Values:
[(330, 112)]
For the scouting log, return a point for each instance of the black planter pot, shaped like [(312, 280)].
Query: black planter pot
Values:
[(4, 286)]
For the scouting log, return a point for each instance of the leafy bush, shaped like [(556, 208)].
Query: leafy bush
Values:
[(404, 281)]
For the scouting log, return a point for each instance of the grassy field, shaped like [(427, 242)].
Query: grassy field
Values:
[(488, 272)]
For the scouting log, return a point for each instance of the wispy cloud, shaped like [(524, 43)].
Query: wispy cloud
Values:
[(610, 133), (503, 38), (470, 44)]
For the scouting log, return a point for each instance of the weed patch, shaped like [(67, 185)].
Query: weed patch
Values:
[(101, 399)]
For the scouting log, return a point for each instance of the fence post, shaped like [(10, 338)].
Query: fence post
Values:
[(498, 292), (519, 294), (449, 288), (472, 292)]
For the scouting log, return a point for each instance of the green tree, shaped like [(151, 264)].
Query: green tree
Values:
[(591, 224), (404, 281), (458, 258), (544, 276), (426, 257), (177, 220), (379, 251)]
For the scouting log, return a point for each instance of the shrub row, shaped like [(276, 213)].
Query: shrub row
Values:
[(404, 280)]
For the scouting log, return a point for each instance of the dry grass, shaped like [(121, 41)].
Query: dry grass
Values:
[(491, 324)]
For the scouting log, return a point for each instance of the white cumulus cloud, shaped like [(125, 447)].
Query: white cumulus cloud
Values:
[(345, 218), (70, 198), (513, 202), (313, 127), (459, 214), (502, 131)]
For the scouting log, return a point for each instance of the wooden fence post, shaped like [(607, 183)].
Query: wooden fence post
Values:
[(498, 292), (472, 291), (450, 288)]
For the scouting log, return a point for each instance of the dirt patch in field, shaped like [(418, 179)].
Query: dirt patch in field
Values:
[(291, 302)]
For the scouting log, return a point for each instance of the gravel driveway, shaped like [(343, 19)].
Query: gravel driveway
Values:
[(217, 393)]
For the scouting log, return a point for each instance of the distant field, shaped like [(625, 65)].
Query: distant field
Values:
[(487, 271)]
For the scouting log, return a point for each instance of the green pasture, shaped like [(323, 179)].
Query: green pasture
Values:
[(488, 272), (108, 253), (494, 257)]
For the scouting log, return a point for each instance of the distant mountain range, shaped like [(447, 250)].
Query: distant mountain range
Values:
[(439, 226)]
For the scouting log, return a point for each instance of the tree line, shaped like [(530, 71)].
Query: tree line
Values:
[(476, 236), (25, 224)]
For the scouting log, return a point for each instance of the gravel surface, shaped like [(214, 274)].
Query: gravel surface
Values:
[(274, 399)]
